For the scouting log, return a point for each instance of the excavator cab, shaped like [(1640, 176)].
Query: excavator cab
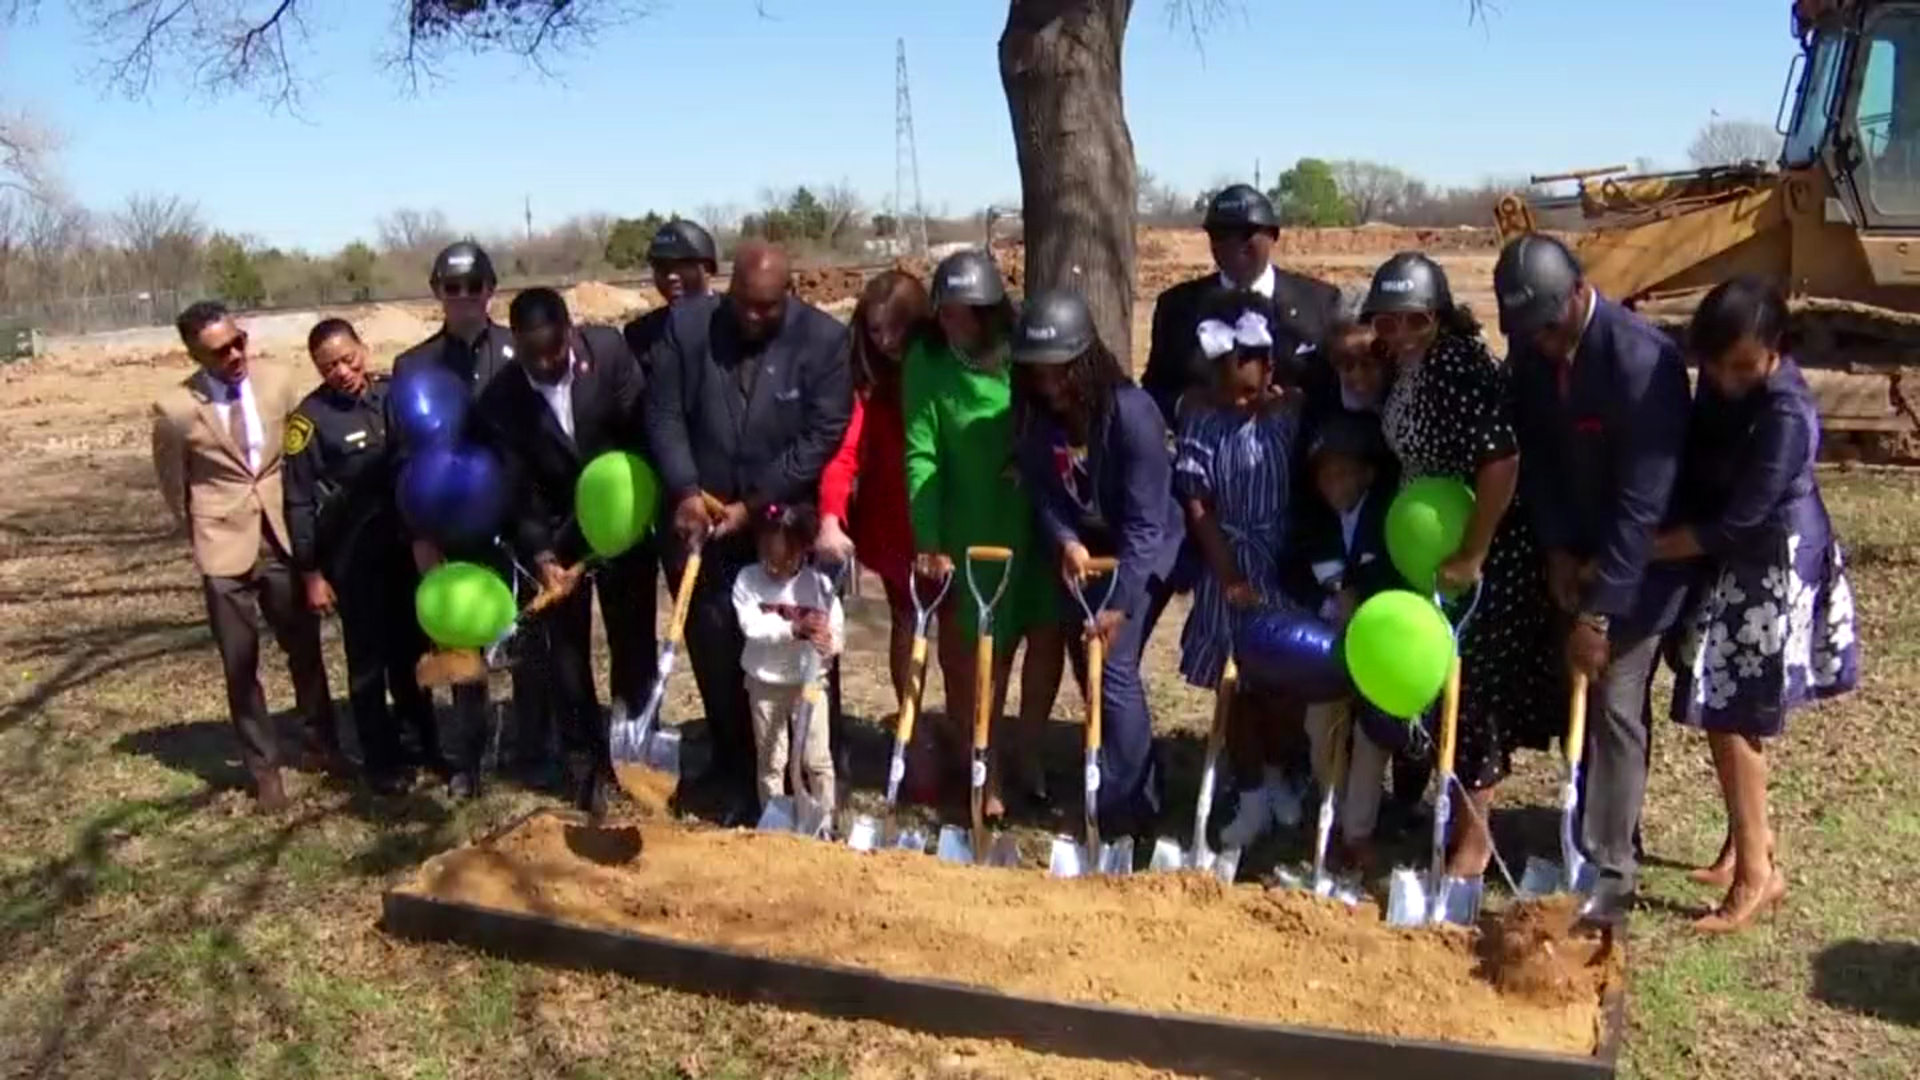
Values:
[(1835, 221)]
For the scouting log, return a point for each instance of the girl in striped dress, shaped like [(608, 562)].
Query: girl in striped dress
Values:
[(1231, 474)]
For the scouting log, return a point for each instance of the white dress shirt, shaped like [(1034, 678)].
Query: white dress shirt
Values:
[(559, 395), (224, 395), (1262, 284)]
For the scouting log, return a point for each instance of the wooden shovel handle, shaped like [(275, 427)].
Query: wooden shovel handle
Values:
[(714, 504), (1450, 718), (990, 554), (1096, 660), (982, 691), (683, 598), (1101, 565), (1576, 721), (916, 683), (1222, 706)]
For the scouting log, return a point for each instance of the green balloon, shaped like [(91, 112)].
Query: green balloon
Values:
[(463, 605), (614, 501), (1399, 648), (1425, 525)]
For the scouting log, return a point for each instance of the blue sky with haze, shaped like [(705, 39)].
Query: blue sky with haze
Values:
[(705, 102)]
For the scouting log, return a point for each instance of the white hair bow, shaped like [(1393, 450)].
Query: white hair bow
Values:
[(1249, 332)]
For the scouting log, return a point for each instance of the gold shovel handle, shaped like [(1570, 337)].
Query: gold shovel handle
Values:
[(982, 691), (1576, 721), (990, 554), (1450, 719), (683, 597), (916, 683), (1222, 706), (1096, 660)]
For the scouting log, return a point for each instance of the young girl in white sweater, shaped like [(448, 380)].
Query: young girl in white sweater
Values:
[(793, 627)]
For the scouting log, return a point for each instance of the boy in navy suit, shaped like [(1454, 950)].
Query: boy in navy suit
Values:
[(1339, 555)]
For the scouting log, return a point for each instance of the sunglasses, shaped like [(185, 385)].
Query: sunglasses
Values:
[(233, 346), (1389, 322), (457, 290)]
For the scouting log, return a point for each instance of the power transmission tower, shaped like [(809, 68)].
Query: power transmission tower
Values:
[(906, 158)]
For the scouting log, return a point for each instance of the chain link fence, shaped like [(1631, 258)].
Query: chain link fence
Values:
[(88, 314)]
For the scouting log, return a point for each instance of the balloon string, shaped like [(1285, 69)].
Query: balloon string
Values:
[(1466, 617), (1467, 801)]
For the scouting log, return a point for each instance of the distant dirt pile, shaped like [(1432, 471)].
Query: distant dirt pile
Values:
[(1383, 240), (822, 285), (597, 302)]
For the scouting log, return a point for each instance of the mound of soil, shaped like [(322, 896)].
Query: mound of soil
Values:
[(595, 302), (1164, 942)]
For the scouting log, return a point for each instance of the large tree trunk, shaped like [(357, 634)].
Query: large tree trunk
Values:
[(1060, 65)]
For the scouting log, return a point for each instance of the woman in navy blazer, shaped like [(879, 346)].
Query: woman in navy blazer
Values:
[(1772, 628), (1093, 454)]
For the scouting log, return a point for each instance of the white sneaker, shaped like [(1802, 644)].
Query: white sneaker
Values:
[(1283, 801), (1250, 819)]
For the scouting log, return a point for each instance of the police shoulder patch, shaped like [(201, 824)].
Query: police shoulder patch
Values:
[(299, 434)]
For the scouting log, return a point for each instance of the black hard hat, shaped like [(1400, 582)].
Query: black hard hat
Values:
[(1349, 435), (1408, 282), (968, 277), (1054, 327), (1532, 281), (680, 240), (463, 260), (1240, 206)]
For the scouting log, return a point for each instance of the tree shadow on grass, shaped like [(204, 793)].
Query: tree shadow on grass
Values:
[(1880, 979)]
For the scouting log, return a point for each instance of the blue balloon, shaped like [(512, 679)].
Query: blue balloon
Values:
[(455, 496), (430, 406), (1292, 652)]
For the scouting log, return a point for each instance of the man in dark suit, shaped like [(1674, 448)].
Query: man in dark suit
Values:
[(749, 398), (1602, 402), (1242, 228), (684, 259), (477, 349), (572, 394)]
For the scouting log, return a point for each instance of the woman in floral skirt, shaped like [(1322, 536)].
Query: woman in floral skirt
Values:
[(1773, 626)]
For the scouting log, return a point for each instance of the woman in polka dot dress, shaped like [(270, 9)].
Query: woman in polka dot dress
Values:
[(1449, 414)]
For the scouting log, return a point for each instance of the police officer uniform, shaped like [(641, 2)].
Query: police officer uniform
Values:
[(343, 525), (1303, 309), (477, 362)]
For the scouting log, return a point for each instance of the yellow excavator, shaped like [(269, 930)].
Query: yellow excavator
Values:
[(1836, 220)]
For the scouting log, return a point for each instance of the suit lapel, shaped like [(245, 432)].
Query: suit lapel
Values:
[(543, 417), (771, 359)]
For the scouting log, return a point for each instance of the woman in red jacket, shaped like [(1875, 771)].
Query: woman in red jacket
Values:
[(869, 472)]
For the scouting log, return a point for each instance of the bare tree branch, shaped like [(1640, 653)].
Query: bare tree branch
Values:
[(26, 153)]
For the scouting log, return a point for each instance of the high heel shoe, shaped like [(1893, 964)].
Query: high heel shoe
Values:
[(1719, 873), (1737, 912)]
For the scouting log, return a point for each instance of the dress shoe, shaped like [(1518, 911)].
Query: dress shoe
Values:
[(390, 783), (1611, 899), (465, 785), (1741, 907), (590, 793), (325, 761), (269, 794)]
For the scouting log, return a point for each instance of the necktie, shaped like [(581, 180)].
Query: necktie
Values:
[(237, 426), (1564, 372)]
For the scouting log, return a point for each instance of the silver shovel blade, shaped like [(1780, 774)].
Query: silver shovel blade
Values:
[(778, 815), (1167, 856), (1459, 901), (1225, 866), (954, 846), (864, 834), (662, 752), (911, 840), (1116, 858), (1407, 898), (1344, 890), (1066, 859), (812, 818), (1540, 878), (1004, 852)]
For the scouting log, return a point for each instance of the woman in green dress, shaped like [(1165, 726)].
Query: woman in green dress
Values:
[(963, 491)]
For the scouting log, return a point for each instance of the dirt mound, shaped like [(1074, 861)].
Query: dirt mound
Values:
[(1383, 240), (1152, 941), (1532, 952), (388, 328), (823, 285), (597, 302)]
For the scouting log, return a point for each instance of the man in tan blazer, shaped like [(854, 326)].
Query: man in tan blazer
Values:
[(217, 452)]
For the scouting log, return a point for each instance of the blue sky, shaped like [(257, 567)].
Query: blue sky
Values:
[(704, 102)]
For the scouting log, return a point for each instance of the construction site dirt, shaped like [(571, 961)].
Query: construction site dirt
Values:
[(1178, 943)]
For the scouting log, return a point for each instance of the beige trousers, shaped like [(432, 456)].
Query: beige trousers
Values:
[(1365, 780), (773, 706)]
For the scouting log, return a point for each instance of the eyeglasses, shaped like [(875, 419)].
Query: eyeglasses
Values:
[(456, 289), (1413, 322)]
